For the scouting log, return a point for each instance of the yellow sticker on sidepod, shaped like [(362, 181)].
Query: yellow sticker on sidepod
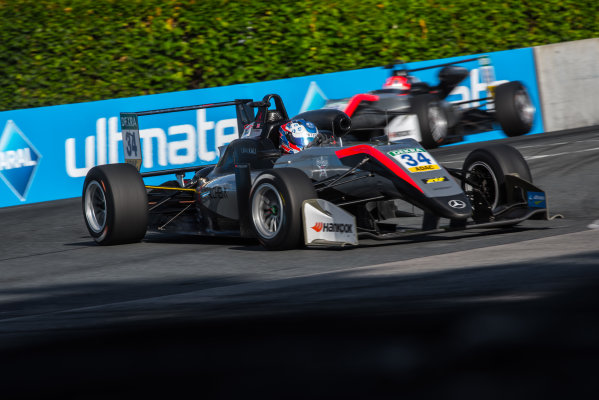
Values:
[(423, 168)]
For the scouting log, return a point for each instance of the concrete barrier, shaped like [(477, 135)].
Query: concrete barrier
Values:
[(568, 81)]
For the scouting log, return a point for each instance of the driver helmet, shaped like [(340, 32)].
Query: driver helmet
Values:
[(397, 82), (296, 135)]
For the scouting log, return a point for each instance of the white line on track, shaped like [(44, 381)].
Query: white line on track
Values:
[(557, 144), (560, 154), (539, 156)]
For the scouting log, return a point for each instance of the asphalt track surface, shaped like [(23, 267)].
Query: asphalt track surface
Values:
[(476, 314)]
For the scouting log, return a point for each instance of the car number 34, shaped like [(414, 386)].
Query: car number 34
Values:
[(415, 160)]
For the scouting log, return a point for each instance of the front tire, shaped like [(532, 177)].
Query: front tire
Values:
[(513, 108), (487, 168), (276, 202), (115, 204), (432, 119)]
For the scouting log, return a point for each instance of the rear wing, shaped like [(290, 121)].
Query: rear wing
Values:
[(449, 77), (484, 61), (130, 125)]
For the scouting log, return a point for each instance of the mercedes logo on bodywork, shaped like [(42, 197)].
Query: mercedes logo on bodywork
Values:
[(456, 204)]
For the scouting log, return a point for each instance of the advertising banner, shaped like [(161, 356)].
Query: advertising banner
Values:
[(46, 152)]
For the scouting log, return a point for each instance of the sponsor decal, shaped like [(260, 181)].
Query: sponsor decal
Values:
[(457, 204), (131, 141), (218, 192), (250, 131), (333, 227), (324, 224), (536, 200), (18, 160), (399, 152), (423, 168), (414, 159), (434, 180), (397, 135), (322, 163), (248, 150)]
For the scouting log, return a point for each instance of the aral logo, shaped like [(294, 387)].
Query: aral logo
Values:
[(18, 160)]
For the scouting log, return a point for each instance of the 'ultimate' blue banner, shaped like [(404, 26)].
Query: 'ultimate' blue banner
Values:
[(46, 152)]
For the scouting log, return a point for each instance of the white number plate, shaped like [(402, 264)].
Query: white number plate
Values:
[(415, 160)]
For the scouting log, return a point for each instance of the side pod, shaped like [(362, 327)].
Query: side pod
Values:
[(243, 183)]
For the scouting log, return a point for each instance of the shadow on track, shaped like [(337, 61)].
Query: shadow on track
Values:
[(524, 332)]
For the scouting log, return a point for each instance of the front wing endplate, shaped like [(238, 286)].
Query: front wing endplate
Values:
[(325, 224)]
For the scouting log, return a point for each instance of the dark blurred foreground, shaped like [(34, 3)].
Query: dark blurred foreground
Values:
[(528, 349)]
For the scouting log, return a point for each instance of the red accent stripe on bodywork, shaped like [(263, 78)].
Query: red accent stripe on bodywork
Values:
[(380, 157), (355, 101)]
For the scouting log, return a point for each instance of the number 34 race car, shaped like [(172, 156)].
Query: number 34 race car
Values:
[(329, 194)]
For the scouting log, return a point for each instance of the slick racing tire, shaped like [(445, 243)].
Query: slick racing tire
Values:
[(276, 202), (115, 204), (432, 119), (513, 108), (487, 168)]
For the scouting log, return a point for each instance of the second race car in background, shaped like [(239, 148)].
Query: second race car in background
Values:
[(409, 108)]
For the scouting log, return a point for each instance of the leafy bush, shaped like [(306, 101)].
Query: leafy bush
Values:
[(67, 51)]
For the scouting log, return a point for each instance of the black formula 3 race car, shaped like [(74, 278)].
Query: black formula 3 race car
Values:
[(329, 194), (407, 107)]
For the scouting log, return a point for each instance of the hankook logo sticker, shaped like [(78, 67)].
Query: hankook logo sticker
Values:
[(333, 227)]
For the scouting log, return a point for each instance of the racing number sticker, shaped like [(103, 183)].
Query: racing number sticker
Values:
[(415, 160), (131, 149), (131, 141)]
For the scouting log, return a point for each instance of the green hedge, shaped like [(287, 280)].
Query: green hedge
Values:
[(59, 51)]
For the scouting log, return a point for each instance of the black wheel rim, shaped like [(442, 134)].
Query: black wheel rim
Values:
[(484, 180)]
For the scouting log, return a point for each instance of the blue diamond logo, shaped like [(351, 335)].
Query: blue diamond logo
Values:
[(18, 160)]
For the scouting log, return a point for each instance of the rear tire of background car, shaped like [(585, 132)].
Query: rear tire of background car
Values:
[(276, 202), (115, 204), (513, 108), (488, 166), (432, 119)]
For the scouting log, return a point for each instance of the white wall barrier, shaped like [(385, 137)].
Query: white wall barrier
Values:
[(568, 79)]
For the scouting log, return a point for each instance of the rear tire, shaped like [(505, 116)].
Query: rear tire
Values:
[(488, 166), (513, 108), (432, 119), (276, 202), (115, 204)]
